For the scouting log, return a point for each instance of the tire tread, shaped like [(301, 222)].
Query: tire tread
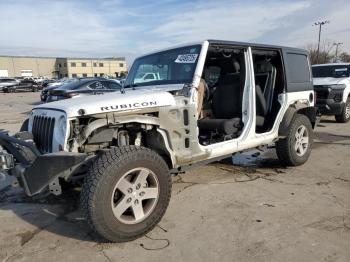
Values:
[(115, 156), (284, 147)]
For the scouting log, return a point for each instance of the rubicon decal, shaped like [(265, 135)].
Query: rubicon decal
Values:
[(129, 106)]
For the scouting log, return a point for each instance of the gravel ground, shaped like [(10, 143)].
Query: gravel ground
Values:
[(220, 212)]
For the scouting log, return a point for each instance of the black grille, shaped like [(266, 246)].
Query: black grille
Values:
[(322, 92), (43, 132)]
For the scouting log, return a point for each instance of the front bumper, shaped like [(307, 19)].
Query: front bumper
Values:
[(330, 107), (36, 172), (329, 101)]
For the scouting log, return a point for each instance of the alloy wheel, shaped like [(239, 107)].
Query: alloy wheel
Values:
[(347, 111), (135, 195), (301, 140)]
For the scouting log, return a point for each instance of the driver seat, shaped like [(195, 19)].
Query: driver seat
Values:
[(226, 105)]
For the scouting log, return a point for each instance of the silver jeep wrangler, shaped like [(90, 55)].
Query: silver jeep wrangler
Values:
[(208, 101)]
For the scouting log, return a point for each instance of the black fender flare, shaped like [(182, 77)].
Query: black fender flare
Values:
[(309, 111)]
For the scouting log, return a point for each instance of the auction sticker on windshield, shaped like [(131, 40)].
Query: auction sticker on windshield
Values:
[(186, 58)]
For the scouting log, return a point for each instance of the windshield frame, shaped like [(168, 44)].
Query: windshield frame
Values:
[(129, 82)]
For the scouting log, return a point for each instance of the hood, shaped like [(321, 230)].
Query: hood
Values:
[(111, 102), (322, 81)]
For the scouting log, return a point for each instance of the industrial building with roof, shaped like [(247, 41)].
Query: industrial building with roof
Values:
[(55, 67)]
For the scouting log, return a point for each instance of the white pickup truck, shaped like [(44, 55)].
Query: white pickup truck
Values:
[(147, 77), (332, 87)]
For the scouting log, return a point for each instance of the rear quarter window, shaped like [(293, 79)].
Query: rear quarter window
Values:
[(298, 68)]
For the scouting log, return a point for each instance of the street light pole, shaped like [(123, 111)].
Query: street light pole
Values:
[(320, 24), (336, 50)]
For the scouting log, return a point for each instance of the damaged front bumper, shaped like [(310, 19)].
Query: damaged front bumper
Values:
[(35, 171)]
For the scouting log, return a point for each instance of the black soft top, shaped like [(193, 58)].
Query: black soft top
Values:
[(283, 48), (295, 61)]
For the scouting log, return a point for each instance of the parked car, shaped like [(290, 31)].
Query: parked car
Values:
[(8, 82), (81, 87), (124, 147), (332, 86), (45, 91), (39, 79), (53, 84), (26, 84)]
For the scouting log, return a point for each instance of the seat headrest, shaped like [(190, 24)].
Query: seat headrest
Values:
[(230, 66), (236, 66)]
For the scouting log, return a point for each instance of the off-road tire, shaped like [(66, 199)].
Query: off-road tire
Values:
[(99, 184), (6, 90), (344, 117), (285, 147)]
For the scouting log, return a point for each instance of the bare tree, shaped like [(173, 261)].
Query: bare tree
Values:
[(326, 53), (322, 58), (344, 57)]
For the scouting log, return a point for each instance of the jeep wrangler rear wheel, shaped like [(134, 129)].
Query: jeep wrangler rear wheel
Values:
[(295, 149), (344, 117), (126, 192)]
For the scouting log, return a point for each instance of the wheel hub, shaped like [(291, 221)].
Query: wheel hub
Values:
[(347, 111), (135, 196), (301, 140)]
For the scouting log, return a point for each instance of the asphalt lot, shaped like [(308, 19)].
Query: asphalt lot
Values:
[(219, 212)]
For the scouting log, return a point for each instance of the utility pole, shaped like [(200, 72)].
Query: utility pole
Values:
[(336, 50), (320, 24)]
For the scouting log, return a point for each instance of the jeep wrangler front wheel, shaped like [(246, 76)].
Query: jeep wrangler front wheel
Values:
[(295, 149), (126, 192), (344, 117)]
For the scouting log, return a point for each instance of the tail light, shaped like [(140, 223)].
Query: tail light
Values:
[(70, 95), (311, 97)]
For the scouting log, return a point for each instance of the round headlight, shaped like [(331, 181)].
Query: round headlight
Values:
[(62, 126)]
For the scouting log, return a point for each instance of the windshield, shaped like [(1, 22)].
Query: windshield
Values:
[(174, 66), (331, 71)]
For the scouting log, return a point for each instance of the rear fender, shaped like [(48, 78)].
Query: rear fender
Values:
[(310, 112)]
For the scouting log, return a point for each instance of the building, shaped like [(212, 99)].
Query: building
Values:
[(51, 67)]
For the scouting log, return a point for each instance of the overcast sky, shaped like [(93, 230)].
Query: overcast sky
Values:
[(101, 28)]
